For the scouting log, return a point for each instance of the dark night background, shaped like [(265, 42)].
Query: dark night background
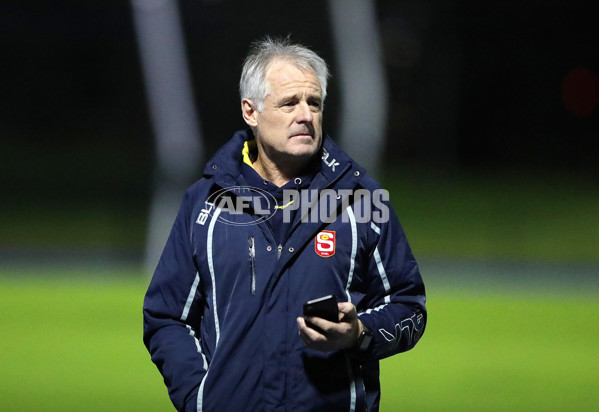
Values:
[(491, 159), (473, 86)]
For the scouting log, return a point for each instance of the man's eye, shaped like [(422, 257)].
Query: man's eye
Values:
[(315, 103)]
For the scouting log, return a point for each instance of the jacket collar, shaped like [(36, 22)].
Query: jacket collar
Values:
[(336, 166)]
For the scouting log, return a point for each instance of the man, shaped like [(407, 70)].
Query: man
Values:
[(282, 216)]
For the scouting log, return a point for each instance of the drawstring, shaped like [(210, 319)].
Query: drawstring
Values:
[(298, 182)]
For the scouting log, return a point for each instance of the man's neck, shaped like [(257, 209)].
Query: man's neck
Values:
[(275, 174)]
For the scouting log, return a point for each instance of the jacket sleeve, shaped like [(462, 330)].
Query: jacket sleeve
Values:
[(169, 305), (394, 306)]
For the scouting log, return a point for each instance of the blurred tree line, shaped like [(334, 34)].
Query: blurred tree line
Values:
[(472, 85)]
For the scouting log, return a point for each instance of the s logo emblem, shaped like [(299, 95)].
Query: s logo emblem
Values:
[(324, 244)]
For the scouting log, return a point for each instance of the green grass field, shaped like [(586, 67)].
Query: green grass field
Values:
[(501, 336), (71, 341)]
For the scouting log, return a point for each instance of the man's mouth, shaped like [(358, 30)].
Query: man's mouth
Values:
[(302, 133)]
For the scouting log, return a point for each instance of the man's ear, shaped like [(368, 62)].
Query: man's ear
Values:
[(249, 112)]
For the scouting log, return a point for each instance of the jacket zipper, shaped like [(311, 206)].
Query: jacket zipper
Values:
[(252, 248), (279, 251)]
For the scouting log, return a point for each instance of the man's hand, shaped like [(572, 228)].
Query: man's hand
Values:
[(332, 336)]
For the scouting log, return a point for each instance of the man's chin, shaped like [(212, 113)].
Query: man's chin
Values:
[(304, 150)]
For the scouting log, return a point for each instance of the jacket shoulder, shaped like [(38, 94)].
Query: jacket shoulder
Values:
[(197, 192), (370, 183)]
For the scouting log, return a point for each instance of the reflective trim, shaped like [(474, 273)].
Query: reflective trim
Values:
[(354, 249), (377, 308), (201, 394), (213, 279), (350, 276), (211, 268), (382, 273), (199, 348), (352, 386), (190, 297), (375, 228)]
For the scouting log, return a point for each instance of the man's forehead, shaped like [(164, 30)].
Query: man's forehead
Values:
[(286, 74)]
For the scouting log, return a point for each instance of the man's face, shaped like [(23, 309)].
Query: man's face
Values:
[(290, 126)]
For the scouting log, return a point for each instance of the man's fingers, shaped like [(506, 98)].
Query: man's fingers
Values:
[(324, 325), (308, 333), (312, 338), (347, 308), (321, 334), (347, 312)]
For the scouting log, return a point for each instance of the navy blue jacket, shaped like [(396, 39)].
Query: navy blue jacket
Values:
[(220, 312)]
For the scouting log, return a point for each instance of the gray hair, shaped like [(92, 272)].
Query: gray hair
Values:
[(252, 84)]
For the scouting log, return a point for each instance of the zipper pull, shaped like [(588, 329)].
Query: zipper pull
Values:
[(279, 251), (252, 265)]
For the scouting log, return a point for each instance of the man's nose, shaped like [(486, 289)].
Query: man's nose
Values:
[(305, 114)]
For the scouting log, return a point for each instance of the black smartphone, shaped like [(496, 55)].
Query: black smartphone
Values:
[(324, 307)]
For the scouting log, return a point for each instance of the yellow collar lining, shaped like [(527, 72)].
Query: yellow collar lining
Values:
[(248, 148)]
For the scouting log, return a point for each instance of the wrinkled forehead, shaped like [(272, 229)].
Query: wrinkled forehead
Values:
[(286, 73)]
